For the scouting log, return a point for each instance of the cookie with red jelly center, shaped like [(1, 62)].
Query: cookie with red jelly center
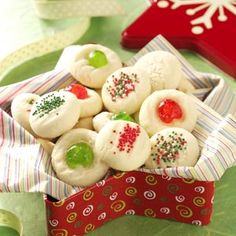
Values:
[(78, 90), (90, 101), (168, 110)]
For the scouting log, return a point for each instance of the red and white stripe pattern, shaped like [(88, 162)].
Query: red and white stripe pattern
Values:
[(27, 168)]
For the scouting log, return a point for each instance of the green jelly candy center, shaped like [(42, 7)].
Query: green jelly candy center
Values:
[(79, 154), (97, 59), (122, 116)]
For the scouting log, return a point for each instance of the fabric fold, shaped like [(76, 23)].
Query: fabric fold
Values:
[(27, 168)]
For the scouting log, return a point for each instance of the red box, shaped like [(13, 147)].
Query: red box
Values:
[(129, 193)]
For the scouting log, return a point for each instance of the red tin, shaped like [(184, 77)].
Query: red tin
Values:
[(131, 193)]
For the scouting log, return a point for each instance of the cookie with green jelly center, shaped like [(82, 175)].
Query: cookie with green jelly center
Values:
[(97, 59), (80, 154), (122, 116)]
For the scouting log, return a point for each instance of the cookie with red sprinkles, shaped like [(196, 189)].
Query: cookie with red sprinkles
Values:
[(173, 147), (123, 145), (125, 90)]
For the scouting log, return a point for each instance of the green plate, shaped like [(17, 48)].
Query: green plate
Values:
[(107, 31)]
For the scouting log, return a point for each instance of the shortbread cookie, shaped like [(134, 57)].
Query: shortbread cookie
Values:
[(123, 145), (54, 113), (163, 68), (86, 123), (74, 159), (168, 108), (21, 107), (90, 102), (101, 119), (47, 145), (185, 86), (173, 147), (125, 90), (93, 64)]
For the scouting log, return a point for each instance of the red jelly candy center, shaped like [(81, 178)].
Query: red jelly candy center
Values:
[(79, 90), (168, 110)]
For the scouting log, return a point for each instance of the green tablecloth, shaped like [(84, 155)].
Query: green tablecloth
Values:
[(107, 31)]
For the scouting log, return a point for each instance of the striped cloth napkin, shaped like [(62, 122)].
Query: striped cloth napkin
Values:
[(25, 166)]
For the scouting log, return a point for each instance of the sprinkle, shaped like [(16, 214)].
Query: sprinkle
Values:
[(168, 150), (127, 138), (48, 104), (121, 87)]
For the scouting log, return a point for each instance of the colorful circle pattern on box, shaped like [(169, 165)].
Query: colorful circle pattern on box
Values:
[(132, 193)]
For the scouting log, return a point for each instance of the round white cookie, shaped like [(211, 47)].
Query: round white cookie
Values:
[(168, 108), (173, 147), (163, 68), (54, 113), (90, 75), (92, 105), (90, 102), (86, 123), (125, 90), (123, 145), (21, 107), (47, 145), (136, 116), (80, 174), (101, 119), (185, 86)]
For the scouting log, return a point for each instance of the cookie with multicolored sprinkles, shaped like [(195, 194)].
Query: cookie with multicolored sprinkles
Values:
[(123, 145), (125, 90), (173, 147)]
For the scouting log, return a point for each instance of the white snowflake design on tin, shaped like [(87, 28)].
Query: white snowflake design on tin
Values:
[(208, 7)]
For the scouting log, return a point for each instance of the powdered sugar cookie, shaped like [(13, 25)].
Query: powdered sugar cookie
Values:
[(54, 113), (173, 147), (100, 120), (90, 102), (163, 68), (86, 123), (47, 145), (167, 108), (21, 107), (74, 159), (125, 90), (123, 145), (185, 86), (93, 64)]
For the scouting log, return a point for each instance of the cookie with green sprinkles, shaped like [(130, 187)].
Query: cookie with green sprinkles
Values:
[(173, 147), (54, 113)]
